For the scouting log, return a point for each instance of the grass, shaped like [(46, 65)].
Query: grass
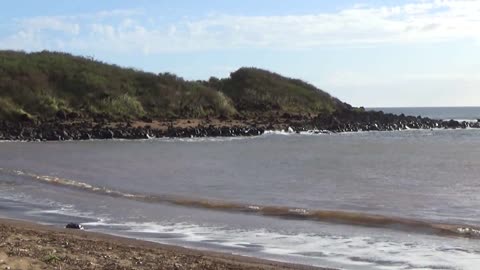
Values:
[(40, 84), (260, 90), (51, 259), (122, 106)]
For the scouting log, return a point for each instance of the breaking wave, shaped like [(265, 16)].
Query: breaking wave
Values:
[(329, 216)]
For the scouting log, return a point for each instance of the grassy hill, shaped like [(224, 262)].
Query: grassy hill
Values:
[(39, 85), (256, 90)]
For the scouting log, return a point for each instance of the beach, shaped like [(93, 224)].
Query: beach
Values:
[(25, 245)]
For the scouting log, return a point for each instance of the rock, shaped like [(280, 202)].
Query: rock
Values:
[(340, 121), (85, 136), (74, 226), (61, 114), (453, 124), (72, 115), (25, 118), (106, 134)]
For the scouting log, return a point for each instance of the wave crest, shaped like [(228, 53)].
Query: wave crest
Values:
[(330, 216)]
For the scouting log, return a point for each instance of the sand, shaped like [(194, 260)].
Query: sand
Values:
[(25, 245)]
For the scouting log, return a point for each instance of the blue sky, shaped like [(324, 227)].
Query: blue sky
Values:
[(367, 53)]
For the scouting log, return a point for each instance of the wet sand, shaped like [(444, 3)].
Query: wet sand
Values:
[(25, 245)]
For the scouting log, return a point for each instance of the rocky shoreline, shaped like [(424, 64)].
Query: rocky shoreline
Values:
[(62, 128)]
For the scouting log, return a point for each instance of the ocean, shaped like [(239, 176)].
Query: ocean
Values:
[(367, 200), (441, 113)]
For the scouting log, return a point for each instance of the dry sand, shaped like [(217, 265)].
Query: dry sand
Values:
[(25, 245)]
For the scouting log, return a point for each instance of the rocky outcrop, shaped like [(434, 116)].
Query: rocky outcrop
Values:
[(61, 129), (353, 121), (58, 131)]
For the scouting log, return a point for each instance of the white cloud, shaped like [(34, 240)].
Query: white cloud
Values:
[(421, 21), (50, 24), (113, 13), (56, 32)]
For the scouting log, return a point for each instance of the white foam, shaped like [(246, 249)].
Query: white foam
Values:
[(290, 132), (277, 132), (13, 141), (202, 139), (315, 132), (341, 251)]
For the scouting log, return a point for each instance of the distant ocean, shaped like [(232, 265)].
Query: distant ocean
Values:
[(393, 200), (442, 113)]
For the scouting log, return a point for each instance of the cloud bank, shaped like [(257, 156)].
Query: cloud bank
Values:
[(128, 31)]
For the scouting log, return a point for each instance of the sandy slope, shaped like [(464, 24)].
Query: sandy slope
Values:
[(26, 245)]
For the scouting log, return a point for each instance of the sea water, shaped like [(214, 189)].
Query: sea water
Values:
[(369, 200)]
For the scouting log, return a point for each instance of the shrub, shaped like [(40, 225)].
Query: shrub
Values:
[(122, 106)]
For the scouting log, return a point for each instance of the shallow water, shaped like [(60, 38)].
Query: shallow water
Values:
[(424, 176), (372, 200)]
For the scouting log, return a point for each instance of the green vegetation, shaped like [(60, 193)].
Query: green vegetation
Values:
[(39, 85), (258, 90), (51, 258)]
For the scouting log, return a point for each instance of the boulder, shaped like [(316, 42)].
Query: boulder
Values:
[(61, 114), (75, 226)]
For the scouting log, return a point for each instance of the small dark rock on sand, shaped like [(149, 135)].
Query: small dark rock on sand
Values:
[(74, 226)]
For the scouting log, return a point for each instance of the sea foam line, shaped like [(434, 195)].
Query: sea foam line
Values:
[(330, 216), (344, 252)]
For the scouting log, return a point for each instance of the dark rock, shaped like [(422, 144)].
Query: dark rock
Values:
[(453, 124), (25, 118), (74, 226), (106, 134), (72, 115), (85, 136), (340, 121), (62, 115)]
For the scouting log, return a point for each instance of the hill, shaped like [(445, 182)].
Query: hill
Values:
[(40, 85), (257, 90)]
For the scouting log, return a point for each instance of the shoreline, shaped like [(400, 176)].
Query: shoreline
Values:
[(266, 132), (28, 245), (346, 121)]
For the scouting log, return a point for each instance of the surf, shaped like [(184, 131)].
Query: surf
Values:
[(285, 212)]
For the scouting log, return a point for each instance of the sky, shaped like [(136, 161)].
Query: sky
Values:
[(367, 53)]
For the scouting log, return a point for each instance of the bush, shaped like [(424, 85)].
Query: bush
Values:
[(122, 106), (9, 110), (40, 84)]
